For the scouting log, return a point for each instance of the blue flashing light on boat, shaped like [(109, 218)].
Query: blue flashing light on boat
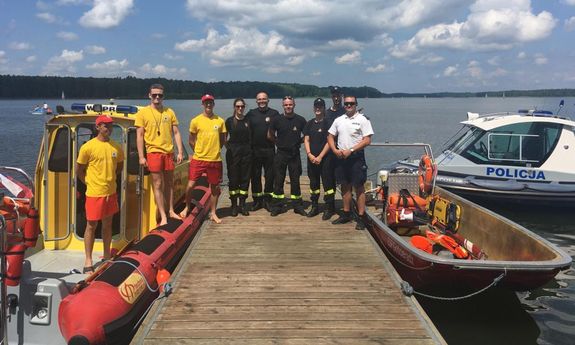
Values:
[(123, 109), (536, 112)]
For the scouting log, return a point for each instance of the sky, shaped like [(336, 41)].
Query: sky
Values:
[(394, 46)]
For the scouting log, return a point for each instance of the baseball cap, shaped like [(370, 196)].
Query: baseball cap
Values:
[(207, 97), (319, 102), (103, 119), (334, 89)]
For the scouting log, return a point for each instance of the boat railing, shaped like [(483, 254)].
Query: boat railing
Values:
[(18, 176), (3, 288)]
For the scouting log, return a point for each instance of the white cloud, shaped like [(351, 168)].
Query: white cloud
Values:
[(110, 65), (494, 61), (31, 58), (451, 71), (245, 48), (67, 35), (521, 55), (491, 25), (341, 44), (95, 50), (427, 59), (349, 58), (65, 62), (569, 2), (3, 59), (106, 13), (376, 69), (148, 70), (172, 56), (46, 17), (540, 59), (19, 46), (570, 23), (316, 73), (72, 2)]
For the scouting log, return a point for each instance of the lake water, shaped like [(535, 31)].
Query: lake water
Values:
[(543, 316)]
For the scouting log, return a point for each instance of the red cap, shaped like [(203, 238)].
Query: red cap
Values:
[(104, 119), (207, 97)]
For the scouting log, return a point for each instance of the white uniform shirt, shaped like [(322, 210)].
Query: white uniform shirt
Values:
[(350, 130)]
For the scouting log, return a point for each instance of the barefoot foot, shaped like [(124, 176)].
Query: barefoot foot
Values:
[(215, 218), (174, 215), (184, 213)]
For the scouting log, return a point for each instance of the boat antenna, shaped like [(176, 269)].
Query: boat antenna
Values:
[(561, 104)]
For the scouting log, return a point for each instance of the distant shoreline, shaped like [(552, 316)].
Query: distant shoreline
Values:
[(46, 87)]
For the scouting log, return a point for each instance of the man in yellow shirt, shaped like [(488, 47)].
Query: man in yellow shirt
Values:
[(156, 126), (207, 136), (99, 160)]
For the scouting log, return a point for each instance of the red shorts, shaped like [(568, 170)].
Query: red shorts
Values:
[(158, 162), (212, 169), (100, 207)]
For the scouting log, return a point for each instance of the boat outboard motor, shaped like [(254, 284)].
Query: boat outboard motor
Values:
[(382, 175)]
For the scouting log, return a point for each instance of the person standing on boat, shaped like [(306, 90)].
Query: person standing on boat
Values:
[(336, 109), (287, 133), (99, 160), (157, 125), (207, 136), (263, 152), (239, 157), (319, 161), (353, 131)]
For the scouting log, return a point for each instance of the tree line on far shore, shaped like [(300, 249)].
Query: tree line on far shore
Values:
[(47, 87)]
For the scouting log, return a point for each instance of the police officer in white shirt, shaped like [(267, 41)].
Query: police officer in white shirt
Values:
[(353, 132)]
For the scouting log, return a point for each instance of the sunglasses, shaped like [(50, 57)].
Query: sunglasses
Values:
[(209, 103), (349, 104), (157, 95), (240, 106)]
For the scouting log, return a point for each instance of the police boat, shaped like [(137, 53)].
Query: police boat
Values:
[(525, 157)]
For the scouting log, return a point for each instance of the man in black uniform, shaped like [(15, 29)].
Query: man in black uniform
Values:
[(263, 151), (337, 108), (286, 131), (320, 161), (239, 157)]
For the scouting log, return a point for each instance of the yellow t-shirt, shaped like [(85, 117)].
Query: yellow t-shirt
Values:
[(101, 158), (158, 128), (208, 132)]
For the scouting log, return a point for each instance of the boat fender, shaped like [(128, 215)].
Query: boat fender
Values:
[(476, 252), (162, 278), (31, 228), (426, 172), (14, 260)]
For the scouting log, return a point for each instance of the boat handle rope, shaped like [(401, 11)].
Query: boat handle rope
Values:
[(168, 289), (408, 290)]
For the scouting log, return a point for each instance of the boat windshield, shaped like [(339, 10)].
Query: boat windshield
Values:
[(519, 144)]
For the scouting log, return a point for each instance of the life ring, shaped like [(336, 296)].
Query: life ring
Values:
[(426, 175)]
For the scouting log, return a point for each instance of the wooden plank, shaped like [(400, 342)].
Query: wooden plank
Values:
[(286, 280)]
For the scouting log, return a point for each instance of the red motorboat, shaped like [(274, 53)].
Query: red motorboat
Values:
[(515, 258)]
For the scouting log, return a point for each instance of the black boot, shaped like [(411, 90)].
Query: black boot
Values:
[(344, 218), (298, 208), (268, 203), (314, 209), (234, 207), (329, 211), (258, 203), (244, 207)]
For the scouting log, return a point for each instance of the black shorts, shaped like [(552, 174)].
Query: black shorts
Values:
[(352, 171)]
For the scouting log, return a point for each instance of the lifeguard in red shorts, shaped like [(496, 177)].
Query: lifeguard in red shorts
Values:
[(156, 126), (99, 160), (207, 136)]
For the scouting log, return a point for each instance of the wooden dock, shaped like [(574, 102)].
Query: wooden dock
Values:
[(285, 280)]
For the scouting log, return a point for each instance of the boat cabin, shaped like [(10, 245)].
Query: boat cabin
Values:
[(61, 195)]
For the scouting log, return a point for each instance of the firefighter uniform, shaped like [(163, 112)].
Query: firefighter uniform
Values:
[(239, 162), (289, 131), (263, 153)]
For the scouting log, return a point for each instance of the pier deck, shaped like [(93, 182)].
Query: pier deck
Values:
[(285, 280)]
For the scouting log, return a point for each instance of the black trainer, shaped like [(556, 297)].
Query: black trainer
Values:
[(234, 211), (360, 225), (314, 211), (344, 218), (327, 214), (299, 210)]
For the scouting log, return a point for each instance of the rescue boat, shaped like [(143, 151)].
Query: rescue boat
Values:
[(48, 300), (524, 157), (456, 246)]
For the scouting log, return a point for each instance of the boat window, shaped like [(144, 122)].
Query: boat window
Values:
[(459, 145), (61, 151), (522, 144), (132, 156)]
